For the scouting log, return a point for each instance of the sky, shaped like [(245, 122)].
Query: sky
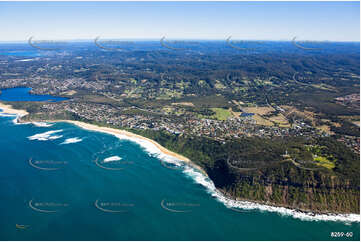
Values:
[(333, 21)]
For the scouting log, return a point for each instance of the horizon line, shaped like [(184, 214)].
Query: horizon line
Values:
[(185, 39)]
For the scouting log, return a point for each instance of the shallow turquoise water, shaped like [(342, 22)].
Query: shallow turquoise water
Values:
[(131, 198)]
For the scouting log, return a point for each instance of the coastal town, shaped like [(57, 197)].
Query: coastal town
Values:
[(232, 127), (177, 118), (180, 121)]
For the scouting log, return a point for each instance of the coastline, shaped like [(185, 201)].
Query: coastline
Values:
[(199, 175), (8, 109), (127, 134)]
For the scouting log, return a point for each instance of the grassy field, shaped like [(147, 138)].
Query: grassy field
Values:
[(323, 161), (262, 121), (259, 110), (221, 113), (280, 120)]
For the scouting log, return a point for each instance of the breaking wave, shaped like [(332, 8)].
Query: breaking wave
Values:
[(112, 158), (42, 124), (16, 120), (203, 180), (7, 115), (147, 146), (200, 178), (71, 141), (46, 135)]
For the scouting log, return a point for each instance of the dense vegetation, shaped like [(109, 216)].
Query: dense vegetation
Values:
[(254, 169), (302, 169)]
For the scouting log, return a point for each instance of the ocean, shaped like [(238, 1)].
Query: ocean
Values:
[(61, 182)]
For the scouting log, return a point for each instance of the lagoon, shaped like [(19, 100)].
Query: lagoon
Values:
[(23, 94)]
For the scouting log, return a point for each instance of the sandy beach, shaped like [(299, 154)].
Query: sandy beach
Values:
[(222, 196), (126, 133), (115, 132), (7, 109)]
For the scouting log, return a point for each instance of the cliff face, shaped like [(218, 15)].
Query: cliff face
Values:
[(267, 177), (289, 186)]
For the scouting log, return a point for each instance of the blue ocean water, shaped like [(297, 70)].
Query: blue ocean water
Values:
[(27, 53), (22, 94), (55, 185)]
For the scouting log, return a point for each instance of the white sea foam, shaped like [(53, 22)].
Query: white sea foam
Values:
[(25, 60), (7, 115), (55, 137), (112, 158), (200, 178), (42, 124), (203, 180), (16, 120), (46, 135), (148, 146), (71, 141)]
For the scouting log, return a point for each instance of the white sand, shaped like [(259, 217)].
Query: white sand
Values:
[(7, 109)]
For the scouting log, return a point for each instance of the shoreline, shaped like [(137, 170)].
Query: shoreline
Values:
[(218, 193), (130, 135), (8, 109)]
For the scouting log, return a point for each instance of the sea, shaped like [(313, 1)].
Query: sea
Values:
[(61, 182)]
